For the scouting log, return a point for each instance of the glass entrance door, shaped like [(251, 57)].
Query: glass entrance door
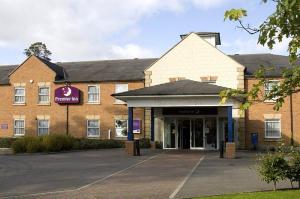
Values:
[(170, 134), (197, 133), (184, 129), (210, 129)]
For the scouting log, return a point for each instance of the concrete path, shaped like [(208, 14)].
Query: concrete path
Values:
[(215, 176), (113, 174)]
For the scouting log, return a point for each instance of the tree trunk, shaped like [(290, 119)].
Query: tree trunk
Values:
[(275, 188), (299, 184), (292, 184)]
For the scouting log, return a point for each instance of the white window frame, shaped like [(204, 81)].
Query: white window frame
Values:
[(40, 94), (87, 128), (273, 120), (98, 89), (15, 127), (48, 127), (120, 136), (15, 95), (117, 101), (267, 89)]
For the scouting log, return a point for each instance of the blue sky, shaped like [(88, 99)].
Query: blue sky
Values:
[(74, 30)]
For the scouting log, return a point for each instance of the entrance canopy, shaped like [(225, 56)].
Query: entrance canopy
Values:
[(180, 93)]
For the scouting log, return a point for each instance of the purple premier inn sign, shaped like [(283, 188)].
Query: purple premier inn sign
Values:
[(67, 95)]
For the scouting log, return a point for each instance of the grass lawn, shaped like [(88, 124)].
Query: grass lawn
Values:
[(285, 194)]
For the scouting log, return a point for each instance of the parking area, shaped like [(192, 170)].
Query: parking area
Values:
[(113, 174)]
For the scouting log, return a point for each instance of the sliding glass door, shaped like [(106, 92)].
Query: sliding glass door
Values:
[(197, 133)]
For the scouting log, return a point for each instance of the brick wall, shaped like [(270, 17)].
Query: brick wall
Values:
[(255, 118), (34, 69)]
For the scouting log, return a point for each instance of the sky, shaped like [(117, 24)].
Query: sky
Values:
[(78, 30)]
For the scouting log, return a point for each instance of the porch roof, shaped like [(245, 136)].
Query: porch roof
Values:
[(180, 87)]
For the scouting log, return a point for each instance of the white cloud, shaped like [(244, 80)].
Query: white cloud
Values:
[(131, 51), (81, 29), (250, 46), (204, 4)]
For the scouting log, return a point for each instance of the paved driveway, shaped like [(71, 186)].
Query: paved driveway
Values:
[(113, 174)]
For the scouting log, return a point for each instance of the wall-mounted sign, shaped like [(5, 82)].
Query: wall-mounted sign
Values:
[(137, 126), (190, 111), (3, 126), (67, 95)]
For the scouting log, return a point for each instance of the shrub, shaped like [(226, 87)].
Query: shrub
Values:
[(293, 174), (158, 145), (6, 142), (145, 143), (34, 144), (272, 168), (55, 143), (19, 146)]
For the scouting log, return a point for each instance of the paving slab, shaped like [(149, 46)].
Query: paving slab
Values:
[(215, 176)]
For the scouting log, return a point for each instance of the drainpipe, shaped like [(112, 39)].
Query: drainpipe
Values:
[(292, 119)]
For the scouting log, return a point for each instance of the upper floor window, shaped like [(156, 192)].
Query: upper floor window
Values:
[(93, 94), (19, 95), (269, 87), (272, 128), (19, 127), (119, 89), (43, 127), (44, 95), (93, 128)]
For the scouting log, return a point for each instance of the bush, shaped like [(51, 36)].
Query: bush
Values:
[(293, 174), (273, 168), (145, 143), (158, 145), (6, 142), (57, 143)]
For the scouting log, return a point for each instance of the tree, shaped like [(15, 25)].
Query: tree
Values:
[(38, 49), (283, 23)]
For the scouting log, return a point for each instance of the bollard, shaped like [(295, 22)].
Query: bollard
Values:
[(137, 151), (222, 149)]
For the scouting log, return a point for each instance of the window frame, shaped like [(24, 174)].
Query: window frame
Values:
[(273, 121), (117, 101), (88, 93), (40, 94), (15, 95), (15, 127), (267, 89), (87, 128), (120, 136), (48, 126)]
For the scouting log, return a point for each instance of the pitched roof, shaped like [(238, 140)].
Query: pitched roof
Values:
[(4, 71), (133, 69), (57, 69), (253, 61), (181, 87), (107, 70)]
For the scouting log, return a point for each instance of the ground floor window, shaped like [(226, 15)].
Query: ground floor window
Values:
[(93, 128), (43, 127), (121, 128), (272, 128), (19, 127)]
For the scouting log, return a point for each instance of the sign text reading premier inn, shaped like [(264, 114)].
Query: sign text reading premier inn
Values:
[(67, 95)]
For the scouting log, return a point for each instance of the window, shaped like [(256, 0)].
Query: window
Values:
[(19, 95), (269, 86), (19, 127), (121, 128), (272, 128), (93, 128), (44, 95), (119, 89), (93, 94), (43, 127)]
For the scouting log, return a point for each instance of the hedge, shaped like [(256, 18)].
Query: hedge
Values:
[(6, 142), (57, 143)]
